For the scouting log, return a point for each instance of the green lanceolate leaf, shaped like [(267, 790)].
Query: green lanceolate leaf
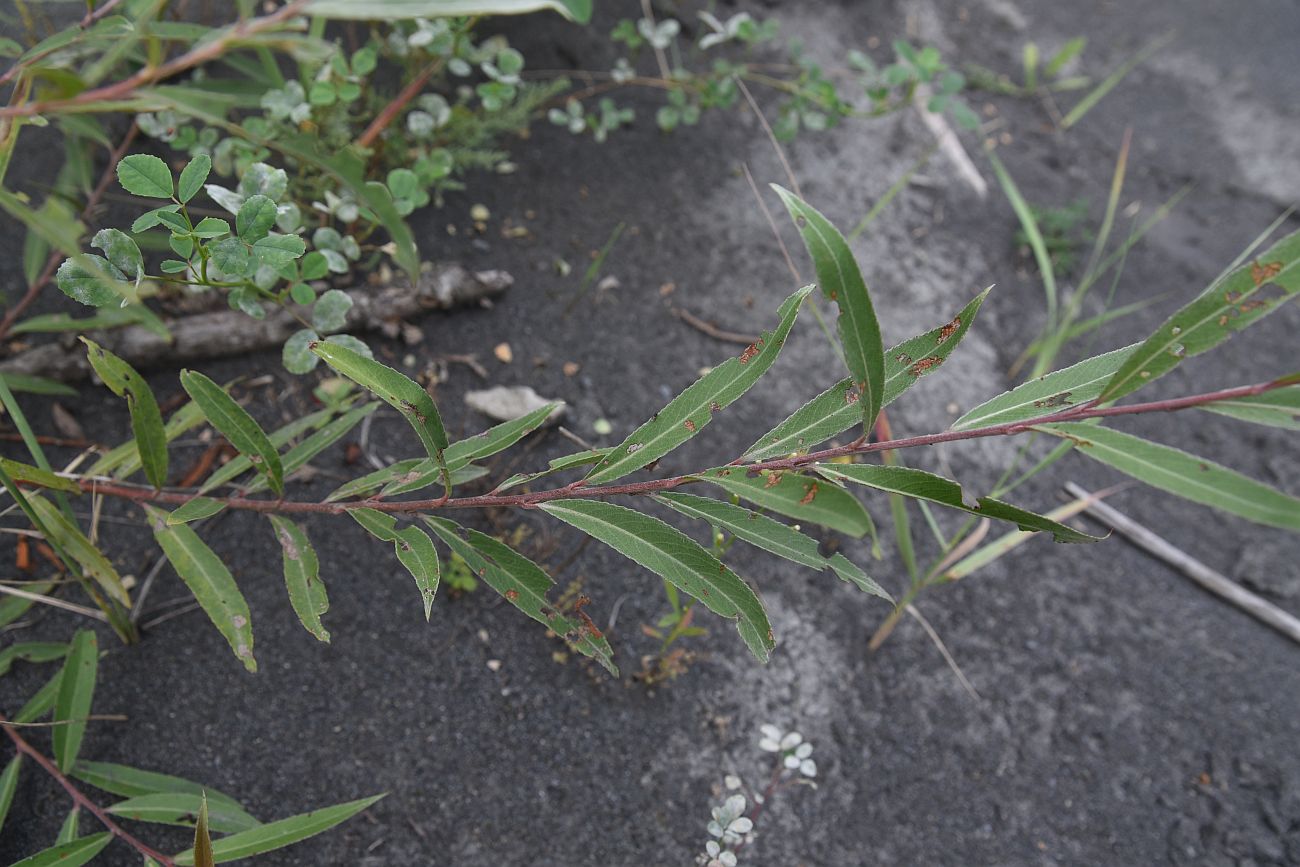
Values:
[(236, 425), (842, 283), (1239, 299), (414, 550), (835, 410), (132, 782), (9, 785), (42, 702), (203, 856), (577, 10), (1277, 408), (807, 500), (579, 459), (425, 473), (124, 460), (676, 558), (37, 476), (72, 854), (31, 651), (920, 485), (398, 391), (181, 808), (688, 413), (68, 831), (195, 510), (499, 437), (1183, 474), (524, 585), (276, 835), (302, 576), (13, 607), (298, 456), (280, 437), (210, 582), (146, 419), (36, 384), (76, 691), (770, 535), (70, 538), (1057, 391), (145, 175)]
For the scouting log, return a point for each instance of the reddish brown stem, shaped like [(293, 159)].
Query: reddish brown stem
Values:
[(56, 256), (80, 799), (394, 108), (152, 74), (142, 493)]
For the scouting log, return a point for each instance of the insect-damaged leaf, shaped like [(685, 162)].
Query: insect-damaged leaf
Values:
[(276, 835), (1183, 474), (524, 585), (841, 282), (1277, 408), (835, 410), (236, 425), (770, 535), (72, 854), (1059, 390), (675, 557), (805, 499), (688, 413), (146, 419), (1240, 298), (397, 390), (210, 582), (180, 808), (920, 485), (414, 550), (76, 691), (302, 576)]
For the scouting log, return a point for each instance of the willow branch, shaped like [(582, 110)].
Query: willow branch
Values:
[(146, 494), (80, 799)]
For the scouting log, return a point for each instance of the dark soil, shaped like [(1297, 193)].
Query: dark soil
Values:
[(1125, 716)]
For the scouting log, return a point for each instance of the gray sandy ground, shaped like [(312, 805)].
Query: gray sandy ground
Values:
[(1126, 717)]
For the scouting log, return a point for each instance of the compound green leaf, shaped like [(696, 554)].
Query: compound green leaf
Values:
[(302, 576), (193, 175), (770, 535), (181, 808), (1240, 298), (1057, 391), (146, 419), (210, 582), (236, 425), (255, 218), (920, 485), (76, 692), (276, 835), (688, 413), (524, 585), (414, 550), (278, 250), (842, 283), (805, 499), (72, 854), (676, 558), (835, 410), (1183, 474)]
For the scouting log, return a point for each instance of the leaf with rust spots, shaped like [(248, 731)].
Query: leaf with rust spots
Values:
[(727, 382), (833, 506), (1230, 304), (841, 281), (834, 410), (413, 547)]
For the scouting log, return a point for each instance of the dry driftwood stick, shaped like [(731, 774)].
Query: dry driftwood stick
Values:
[(1194, 569), (231, 332)]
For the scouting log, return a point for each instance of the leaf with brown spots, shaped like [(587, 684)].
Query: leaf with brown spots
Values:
[(302, 576)]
